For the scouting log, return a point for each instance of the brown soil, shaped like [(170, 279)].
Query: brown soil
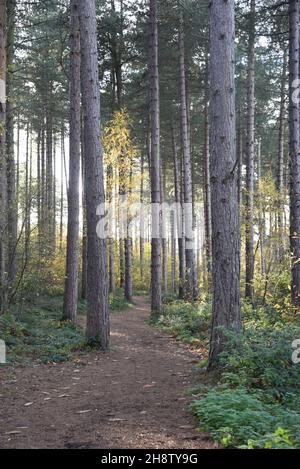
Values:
[(133, 397)]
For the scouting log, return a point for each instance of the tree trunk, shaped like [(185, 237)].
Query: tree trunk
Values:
[(128, 248), (163, 232), (97, 288), (249, 218), (3, 174), (84, 234), (11, 172), (224, 189), (261, 217), (61, 223), (207, 189), (111, 241), (180, 218), (71, 279), (294, 150), (280, 165), (240, 149), (142, 225), (156, 286), (190, 291)]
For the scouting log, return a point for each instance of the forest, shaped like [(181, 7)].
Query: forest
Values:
[(149, 224)]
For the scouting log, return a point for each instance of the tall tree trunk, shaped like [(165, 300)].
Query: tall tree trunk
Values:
[(27, 202), (128, 251), (225, 210), (71, 279), (179, 218), (190, 290), (155, 161), (280, 164), (50, 218), (240, 150), (207, 188), (142, 224), (3, 174), (97, 288), (43, 193), (294, 150), (111, 240), (249, 219), (163, 231), (84, 233), (61, 223), (11, 171), (261, 217)]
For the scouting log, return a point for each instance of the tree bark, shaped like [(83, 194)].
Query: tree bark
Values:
[(3, 173), (156, 274), (190, 290), (250, 151), (179, 218), (61, 222), (280, 164), (294, 150), (97, 288), (142, 224), (207, 188), (71, 279), (163, 231), (224, 189), (11, 171)]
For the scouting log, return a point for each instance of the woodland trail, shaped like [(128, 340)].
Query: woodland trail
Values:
[(133, 397)]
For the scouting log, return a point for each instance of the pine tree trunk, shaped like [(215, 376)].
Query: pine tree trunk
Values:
[(71, 278), (207, 190), (225, 210), (156, 275), (3, 174), (261, 217), (180, 218), (190, 292), (280, 165), (84, 234), (240, 151), (61, 223), (142, 225), (11, 172), (163, 232), (111, 242), (294, 150), (97, 288), (128, 250), (249, 218)]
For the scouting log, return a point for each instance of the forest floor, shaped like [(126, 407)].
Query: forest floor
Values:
[(133, 397)]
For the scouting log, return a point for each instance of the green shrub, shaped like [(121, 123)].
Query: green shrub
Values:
[(35, 333), (238, 418), (262, 358), (256, 401), (190, 322), (117, 301)]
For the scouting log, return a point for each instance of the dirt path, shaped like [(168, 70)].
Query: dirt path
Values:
[(134, 397)]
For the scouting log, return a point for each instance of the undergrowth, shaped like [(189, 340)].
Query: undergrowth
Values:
[(34, 331), (252, 400)]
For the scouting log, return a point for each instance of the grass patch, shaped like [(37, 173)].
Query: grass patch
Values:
[(35, 332)]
